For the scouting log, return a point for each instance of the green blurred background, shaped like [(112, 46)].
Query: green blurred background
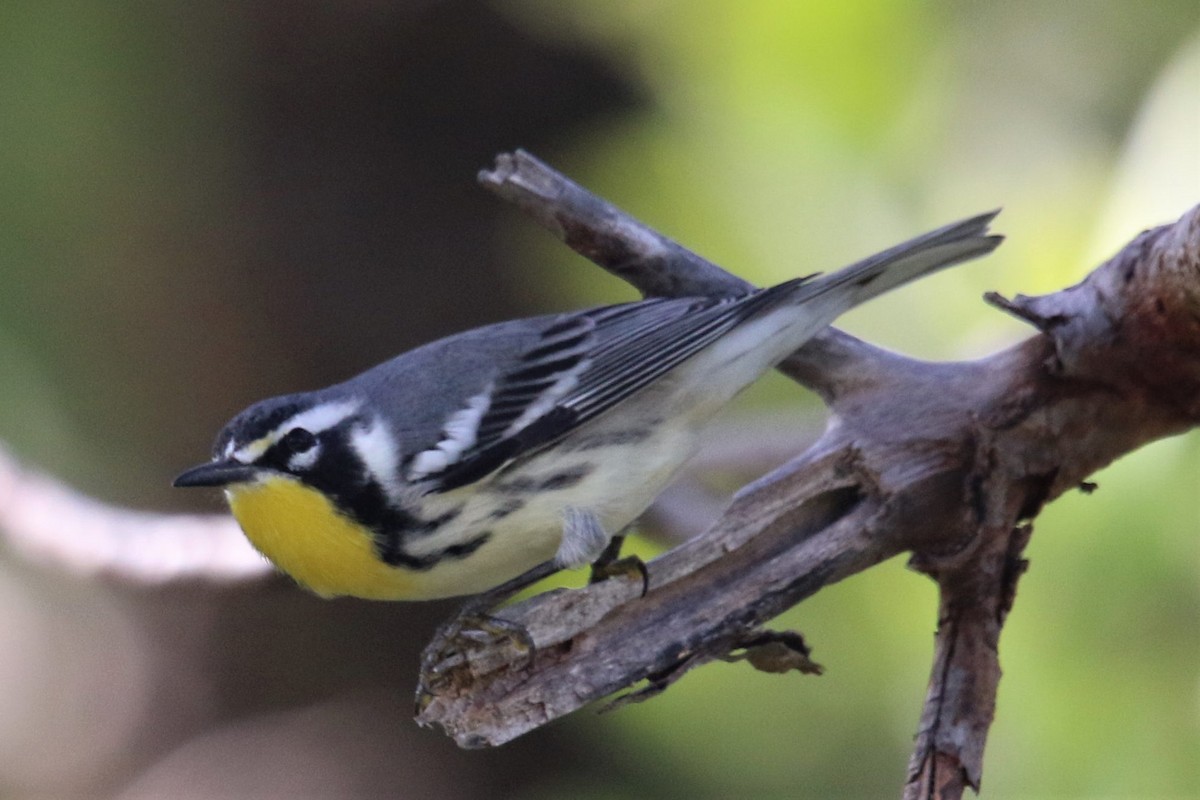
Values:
[(202, 204)]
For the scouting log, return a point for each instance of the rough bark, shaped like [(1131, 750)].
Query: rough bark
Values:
[(947, 461), (950, 462)]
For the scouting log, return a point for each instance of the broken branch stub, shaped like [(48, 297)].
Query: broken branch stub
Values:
[(945, 460)]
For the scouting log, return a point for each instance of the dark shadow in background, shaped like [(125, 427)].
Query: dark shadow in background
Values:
[(359, 233)]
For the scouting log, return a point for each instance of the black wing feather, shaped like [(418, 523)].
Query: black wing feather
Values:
[(610, 353)]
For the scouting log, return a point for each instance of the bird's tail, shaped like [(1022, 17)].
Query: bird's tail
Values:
[(763, 327), (859, 282)]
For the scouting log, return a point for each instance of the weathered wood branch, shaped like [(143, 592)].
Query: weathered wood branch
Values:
[(47, 522), (948, 461)]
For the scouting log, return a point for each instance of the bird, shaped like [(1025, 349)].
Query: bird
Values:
[(479, 462)]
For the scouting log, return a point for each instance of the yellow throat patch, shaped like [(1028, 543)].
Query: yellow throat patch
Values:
[(303, 534)]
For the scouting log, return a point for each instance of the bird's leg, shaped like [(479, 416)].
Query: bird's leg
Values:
[(609, 564), (584, 541), (584, 538)]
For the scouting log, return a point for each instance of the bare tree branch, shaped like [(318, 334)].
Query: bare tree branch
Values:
[(948, 461), (639, 255), (48, 523)]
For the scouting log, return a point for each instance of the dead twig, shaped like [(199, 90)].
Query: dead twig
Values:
[(948, 461), (46, 522)]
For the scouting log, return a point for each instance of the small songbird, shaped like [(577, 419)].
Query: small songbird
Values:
[(476, 459)]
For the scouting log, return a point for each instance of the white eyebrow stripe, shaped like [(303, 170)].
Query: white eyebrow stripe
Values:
[(314, 420), (320, 417)]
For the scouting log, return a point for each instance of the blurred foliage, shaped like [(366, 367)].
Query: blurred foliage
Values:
[(775, 138), (778, 143)]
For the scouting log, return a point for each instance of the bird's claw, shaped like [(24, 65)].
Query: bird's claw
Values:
[(455, 641), (619, 567)]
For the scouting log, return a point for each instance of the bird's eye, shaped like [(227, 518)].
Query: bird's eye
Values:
[(298, 440)]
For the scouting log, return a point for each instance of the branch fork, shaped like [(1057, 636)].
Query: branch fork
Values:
[(947, 461)]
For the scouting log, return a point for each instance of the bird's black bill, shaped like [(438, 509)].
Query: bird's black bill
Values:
[(217, 473)]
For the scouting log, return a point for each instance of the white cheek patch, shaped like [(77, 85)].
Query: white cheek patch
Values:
[(376, 447), (458, 435)]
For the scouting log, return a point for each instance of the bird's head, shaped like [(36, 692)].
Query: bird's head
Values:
[(302, 436)]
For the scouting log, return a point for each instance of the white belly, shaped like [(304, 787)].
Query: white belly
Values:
[(522, 509), (628, 455)]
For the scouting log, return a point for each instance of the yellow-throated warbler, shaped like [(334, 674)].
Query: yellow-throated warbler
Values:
[(464, 463)]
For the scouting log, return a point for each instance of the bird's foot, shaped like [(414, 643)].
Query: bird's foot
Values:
[(477, 639), (620, 567), (611, 565), (469, 633), (474, 641)]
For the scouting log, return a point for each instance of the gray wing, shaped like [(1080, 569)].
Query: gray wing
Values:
[(566, 370), (581, 365)]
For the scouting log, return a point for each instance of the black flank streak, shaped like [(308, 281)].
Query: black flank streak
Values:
[(565, 479), (466, 548), (515, 486), (389, 541), (511, 506), (437, 522), (421, 563)]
